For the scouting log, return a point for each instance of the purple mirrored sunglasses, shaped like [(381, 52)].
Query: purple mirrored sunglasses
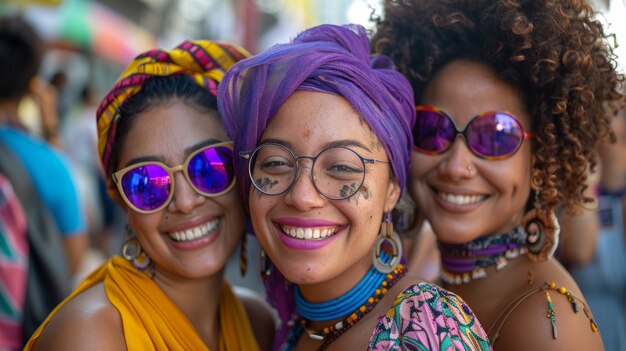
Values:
[(148, 187)]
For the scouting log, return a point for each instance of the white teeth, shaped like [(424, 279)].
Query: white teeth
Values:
[(196, 232), (308, 233), (461, 199)]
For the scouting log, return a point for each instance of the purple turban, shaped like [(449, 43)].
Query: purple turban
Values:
[(327, 58)]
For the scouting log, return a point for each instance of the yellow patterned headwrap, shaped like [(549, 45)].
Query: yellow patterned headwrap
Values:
[(204, 61)]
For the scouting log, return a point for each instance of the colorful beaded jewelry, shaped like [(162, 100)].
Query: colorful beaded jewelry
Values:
[(575, 302), (550, 313), (572, 300), (332, 332), (348, 302), (461, 263), (342, 305)]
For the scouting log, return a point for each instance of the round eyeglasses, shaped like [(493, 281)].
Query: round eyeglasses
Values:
[(337, 172)]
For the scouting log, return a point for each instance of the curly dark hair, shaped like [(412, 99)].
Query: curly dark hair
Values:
[(553, 51)]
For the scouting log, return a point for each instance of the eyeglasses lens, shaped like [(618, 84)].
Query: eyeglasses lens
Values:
[(147, 187), (211, 170), (433, 131), (494, 135)]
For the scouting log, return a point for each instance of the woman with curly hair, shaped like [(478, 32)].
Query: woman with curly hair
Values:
[(524, 83)]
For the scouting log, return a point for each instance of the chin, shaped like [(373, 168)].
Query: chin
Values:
[(452, 235)]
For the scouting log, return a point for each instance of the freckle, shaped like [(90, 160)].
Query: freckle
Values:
[(306, 135)]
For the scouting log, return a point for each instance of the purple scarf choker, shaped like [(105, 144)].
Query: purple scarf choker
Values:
[(463, 262)]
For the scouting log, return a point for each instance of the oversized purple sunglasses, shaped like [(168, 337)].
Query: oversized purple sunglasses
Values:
[(493, 135), (147, 187)]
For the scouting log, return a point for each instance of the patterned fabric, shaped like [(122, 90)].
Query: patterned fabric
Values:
[(427, 317), (204, 61), (13, 267), (152, 321)]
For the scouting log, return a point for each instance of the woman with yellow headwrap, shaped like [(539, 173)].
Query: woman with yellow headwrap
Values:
[(169, 164)]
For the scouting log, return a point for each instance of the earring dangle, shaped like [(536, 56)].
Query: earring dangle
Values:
[(543, 229), (386, 241), (265, 264), (243, 255), (131, 251)]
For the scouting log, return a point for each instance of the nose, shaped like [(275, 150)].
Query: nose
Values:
[(458, 162), (302, 194), (185, 197)]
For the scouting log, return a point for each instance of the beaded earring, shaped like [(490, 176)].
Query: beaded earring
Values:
[(387, 235), (132, 251), (542, 227), (243, 255), (266, 265)]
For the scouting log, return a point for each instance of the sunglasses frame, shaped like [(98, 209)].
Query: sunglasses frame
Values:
[(117, 176), (525, 134)]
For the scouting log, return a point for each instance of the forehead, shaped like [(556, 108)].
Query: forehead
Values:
[(465, 89), (309, 120), (167, 130)]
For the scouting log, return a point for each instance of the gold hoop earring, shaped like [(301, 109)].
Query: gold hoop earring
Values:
[(132, 251)]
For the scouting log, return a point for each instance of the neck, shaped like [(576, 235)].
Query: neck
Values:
[(8, 111), (198, 299), (326, 321), (462, 263), (342, 305)]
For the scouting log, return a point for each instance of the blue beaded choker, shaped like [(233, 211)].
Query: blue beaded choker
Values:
[(346, 303)]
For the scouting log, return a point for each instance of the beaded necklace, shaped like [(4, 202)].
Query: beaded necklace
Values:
[(463, 262), (332, 332)]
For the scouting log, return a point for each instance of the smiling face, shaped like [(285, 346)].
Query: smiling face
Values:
[(168, 133), (307, 123), (463, 196)]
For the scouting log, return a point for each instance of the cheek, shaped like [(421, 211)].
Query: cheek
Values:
[(420, 166), (510, 176), (146, 226), (260, 206)]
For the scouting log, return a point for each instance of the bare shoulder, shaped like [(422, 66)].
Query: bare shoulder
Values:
[(87, 322), (262, 317), (552, 318), (408, 281)]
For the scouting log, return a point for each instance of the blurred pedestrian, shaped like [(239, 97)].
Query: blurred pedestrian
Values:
[(46, 174)]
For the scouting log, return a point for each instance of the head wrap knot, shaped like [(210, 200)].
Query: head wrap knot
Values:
[(204, 61), (327, 58)]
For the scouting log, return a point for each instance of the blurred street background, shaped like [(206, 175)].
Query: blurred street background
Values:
[(93, 40)]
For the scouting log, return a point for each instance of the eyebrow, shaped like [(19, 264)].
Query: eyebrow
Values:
[(335, 143), (188, 151)]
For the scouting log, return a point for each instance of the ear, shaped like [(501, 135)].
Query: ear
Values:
[(392, 196)]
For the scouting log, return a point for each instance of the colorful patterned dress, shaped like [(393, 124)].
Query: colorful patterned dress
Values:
[(428, 317)]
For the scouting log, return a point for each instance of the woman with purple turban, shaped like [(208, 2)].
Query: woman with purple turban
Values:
[(323, 132)]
